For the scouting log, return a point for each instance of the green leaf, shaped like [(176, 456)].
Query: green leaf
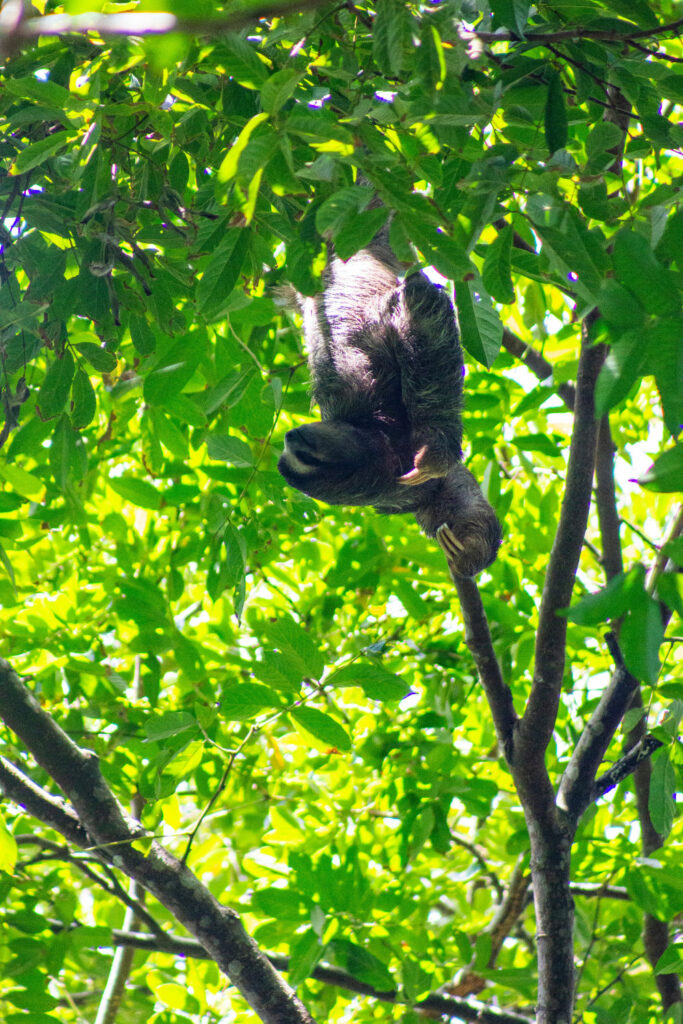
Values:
[(304, 954), (637, 268), (322, 727), (391, 30), (360, 963), (288, 636), (665, 360), (56, 386), (142, 336), (38, 152), (671, 960), (242, 701), (221, 273), (496, 271), (619, 372), (228, 168), (480, 326), (377, 683), (666, 474), (279, 88), (98, 357), (170, 723), (641, 636), (555, 114), (137, 492), (84, 402), (661, 804), (609, 603), (8, 849), (224, 448), (512, 14), (143, 602)]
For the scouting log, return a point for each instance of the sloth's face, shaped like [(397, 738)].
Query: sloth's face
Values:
[(339, 463)]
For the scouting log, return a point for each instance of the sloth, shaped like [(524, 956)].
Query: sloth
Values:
[(387, 374)]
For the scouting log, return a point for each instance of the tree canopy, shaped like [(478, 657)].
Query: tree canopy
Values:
[(344, 785)]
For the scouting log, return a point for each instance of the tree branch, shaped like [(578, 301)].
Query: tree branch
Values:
[(443, 1005), (539, 366), (538, 721), (578, 787), (624, 766), (478, 639), (49, 809), (216, 927), (141, 24), (606, 35)]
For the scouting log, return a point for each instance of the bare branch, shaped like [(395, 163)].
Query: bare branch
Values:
[(625, 766), (478, 639), (539, 366), (577, 786), (435, 1004), (606, 35), (218, 928), (51, 810), (145, 24), (537, 724)]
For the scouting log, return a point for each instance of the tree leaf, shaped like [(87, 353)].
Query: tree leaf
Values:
[(496, 271), (55, 388), (556, 132), (390, 35), (137, 492), (666, 473), (480, 326), (661, 803), (322, 727), (641, 635), (637, 268), (619, 372), (245, 700), (377, 683), (229, 449), (84, 401), (512, 14)]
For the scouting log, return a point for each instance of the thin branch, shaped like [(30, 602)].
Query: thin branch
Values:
[(148, 23), (537, 724), (539, 366), (51, 810), (478, 639), (218, 928), (625, 766), (446, 1006), (577, 786), (614, 892), (606, 35)]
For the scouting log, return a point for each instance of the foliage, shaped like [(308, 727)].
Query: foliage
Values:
[(281, 682)]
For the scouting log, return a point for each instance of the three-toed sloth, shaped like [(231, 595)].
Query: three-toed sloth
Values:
[(387, 373)]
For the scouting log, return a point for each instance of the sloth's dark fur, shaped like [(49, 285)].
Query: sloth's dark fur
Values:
[(387, 369)]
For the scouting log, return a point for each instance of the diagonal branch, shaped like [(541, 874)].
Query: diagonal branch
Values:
[(537, 724), (216, 927), (578, 787), (538, 365), (478, 639)]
